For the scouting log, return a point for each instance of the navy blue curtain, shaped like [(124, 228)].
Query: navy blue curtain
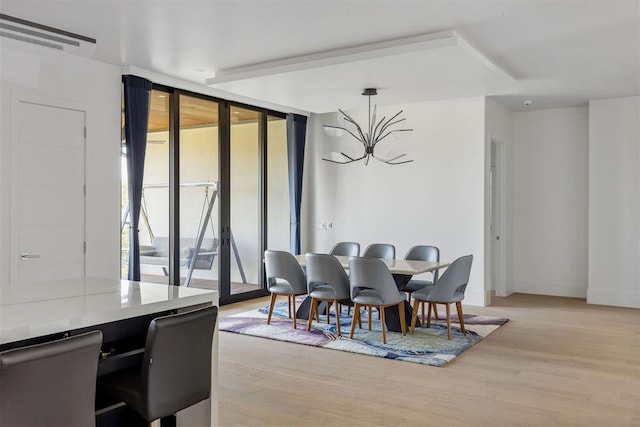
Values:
[(296, 136), (136, 118)]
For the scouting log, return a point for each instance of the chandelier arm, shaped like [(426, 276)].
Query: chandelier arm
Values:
[(389, 122), (390, 132), (391, 162), (353, 122), (355, 136), (351, 158), (375, 131), (394, 158), (372, 119), (344, 129), (383, 137), (340, 163)]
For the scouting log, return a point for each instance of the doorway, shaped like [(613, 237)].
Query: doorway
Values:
[(497, 219)]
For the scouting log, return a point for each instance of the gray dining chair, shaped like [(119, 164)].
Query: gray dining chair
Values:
[(50, 384), (285, 276), (422, 253), (176, 366), (326, 281), (448, 289), (380, 250), (372, 285), (345, 249)]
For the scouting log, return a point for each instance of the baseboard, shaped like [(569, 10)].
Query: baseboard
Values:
[(614, 298), (558, 289), (476, 298)]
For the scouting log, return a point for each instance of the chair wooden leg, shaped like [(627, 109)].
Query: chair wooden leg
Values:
[(289, 305), (312, 307), (293, 300), (384, 333), (369, 317), (414, 314), (428, 313), (359, 318), (423, 312), (348, 310), (337, 308), (327, 302), (403, 321), (356, 314), (271, 304), (435, 310), (448, 321), (460, 316)]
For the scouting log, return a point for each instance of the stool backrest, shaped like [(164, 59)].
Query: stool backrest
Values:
[(50, 384), (176, 370)]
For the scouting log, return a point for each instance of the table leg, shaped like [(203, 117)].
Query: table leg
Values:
[(305, 306), (392, 317)]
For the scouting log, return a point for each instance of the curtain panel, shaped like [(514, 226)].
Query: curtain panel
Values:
[(136, 119), (296, 137)]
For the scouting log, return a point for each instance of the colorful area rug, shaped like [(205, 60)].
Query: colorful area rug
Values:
[(428, 346)]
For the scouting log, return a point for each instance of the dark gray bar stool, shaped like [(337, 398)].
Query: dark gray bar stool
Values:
[(176, 366), (50, 384)]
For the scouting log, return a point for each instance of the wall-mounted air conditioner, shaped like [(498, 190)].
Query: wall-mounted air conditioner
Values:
[(44, 36)]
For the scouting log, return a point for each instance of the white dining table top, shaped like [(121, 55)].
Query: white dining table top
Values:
[(396, 266)]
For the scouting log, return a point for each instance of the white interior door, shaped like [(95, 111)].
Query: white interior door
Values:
[(48, 197)]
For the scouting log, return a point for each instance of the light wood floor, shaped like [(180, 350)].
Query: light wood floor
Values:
[(558, 362)]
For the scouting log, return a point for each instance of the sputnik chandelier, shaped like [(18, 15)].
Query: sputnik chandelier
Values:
[(376, 131)]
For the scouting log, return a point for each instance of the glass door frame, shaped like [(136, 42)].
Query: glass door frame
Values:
[(224, 190)]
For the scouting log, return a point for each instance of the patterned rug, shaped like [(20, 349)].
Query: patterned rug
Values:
[(428, 346)]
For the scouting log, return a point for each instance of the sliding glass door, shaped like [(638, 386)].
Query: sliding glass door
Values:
[(245, 191), (199, 193), (215, 193)]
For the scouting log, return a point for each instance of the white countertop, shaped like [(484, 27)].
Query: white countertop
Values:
[(53, 307)]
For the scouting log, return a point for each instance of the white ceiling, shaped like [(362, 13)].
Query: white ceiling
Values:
[(559, 53)]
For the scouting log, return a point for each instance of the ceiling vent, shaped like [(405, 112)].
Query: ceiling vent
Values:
[(45, 37)]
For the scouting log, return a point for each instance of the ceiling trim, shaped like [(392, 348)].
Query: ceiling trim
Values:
[(344, 55)]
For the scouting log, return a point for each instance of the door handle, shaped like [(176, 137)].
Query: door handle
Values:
[(29, 256)]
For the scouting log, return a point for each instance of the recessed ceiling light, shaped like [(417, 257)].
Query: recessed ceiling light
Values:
[(503, 14), (527, 103)]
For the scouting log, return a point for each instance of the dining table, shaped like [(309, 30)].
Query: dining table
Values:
[(402, 271)]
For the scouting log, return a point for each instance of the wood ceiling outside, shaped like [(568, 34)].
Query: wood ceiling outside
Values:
[(194, 112)]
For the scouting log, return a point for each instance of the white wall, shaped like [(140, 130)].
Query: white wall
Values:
[(499, 128), (550, 202), (27, 73), (614, 202), (438, 199)]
